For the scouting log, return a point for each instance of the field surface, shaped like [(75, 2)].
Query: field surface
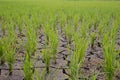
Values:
[(59, 40)]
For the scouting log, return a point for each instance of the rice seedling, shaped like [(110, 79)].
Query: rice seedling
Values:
[(7, 52), (100, 29), (30, 49), (78, 56), (92, 39), (1, 54), (46, 29), (11, 49), (76, 21), (3, 26), (53, 22), (109, 51), (27, 68), (63, 19), (8, 49), (68, 32), (3, 48), (20, 24), (54, 44), (31, 40), (108, 54), (46, 55), (1, 51), (74, 68), (83, 29), (10, 59)]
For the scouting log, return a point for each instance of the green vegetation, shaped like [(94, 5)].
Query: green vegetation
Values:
[(28, 69), (46, 54), (81, 23), (109, 50)]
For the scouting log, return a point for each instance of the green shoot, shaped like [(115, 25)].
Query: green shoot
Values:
[(78, 55), (27, 68), (46, 54), (54, 43), (92, 39), (109, 51)]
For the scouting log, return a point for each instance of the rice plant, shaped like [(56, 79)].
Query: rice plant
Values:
[(62, 19), (20, 23), (46, 55), (92, 39), (10, 59), (4, 27), (68, 32), (31, 40), (1, 52), (78, 56), (27, 69), (53, 44), (109, 51), (6, 54), (11, 49), (47, 31)]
